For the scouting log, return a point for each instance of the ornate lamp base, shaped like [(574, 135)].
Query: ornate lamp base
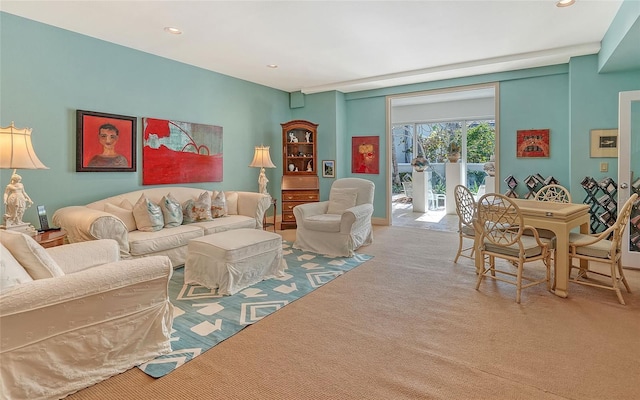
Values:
[(24, 227)]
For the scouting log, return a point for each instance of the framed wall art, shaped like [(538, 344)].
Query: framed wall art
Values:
[(328, 169), (604, 143), (180, 152), (365, 158), (105, 142), (532, 143)]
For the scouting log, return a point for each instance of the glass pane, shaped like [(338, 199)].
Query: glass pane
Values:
[(480, 146)]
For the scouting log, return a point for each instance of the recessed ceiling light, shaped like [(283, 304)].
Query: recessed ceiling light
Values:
[(172, 30), (272, 65), (565, 3)]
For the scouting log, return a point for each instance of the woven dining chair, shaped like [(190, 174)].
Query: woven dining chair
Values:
[(500, 225), (604, 247), (466, 209), (554, 193)]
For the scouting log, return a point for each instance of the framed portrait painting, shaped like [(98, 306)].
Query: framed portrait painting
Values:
[(105, 142), (532, 143), (328, 169), (604, 143), (365, 158)]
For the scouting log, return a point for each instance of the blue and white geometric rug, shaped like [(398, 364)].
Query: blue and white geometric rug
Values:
[(202, 318)]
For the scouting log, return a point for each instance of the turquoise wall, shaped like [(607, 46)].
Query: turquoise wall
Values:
[(593, 105), (46, 74), (538, 102)]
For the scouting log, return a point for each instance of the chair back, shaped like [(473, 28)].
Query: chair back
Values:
[(365, 187), (465, 205), (621, 223), (554, 193), (499, 219)]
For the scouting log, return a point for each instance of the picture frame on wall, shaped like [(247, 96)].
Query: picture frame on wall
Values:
[(328, 169), (105, 142), (533, 143), (365, 154), (604, 143)]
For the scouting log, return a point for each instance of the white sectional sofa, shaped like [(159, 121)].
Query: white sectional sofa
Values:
[(74, 315), (91, 222)]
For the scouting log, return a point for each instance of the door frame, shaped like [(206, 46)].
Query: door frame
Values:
[(629, 258), (438, 92)]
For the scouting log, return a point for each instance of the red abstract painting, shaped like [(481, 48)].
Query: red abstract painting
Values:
[(180, 152), (364, 155), (533, 143)]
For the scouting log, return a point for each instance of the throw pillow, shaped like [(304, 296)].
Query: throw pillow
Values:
[(126, 215), (218, 204), (232, 202), (341, 199), (198, 210), (33, 257), (11, 272), (148, 216), (171, 211)]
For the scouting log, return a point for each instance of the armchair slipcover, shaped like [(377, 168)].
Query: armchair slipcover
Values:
[(97, 318), (325, 228)]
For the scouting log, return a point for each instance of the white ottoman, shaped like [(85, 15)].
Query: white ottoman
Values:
[(234, 259)]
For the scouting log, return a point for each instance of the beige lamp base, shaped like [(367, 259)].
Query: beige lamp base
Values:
[(24, 227)]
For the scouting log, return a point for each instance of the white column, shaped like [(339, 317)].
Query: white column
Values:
[(420, 185), (490, 184), (455, 175)]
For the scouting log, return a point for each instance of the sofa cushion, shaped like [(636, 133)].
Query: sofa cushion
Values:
[(341, 199), (197, 210), (148, 215), (11, 272), (171, 211), (145, 243), (323, 222), (33, 257), (218, 204), (226, 223), (232, 202), (125, 214)]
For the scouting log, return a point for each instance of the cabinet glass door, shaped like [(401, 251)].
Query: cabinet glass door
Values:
[(629, 172)]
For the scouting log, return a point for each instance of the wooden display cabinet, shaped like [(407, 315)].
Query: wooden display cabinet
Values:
[(300, 182)]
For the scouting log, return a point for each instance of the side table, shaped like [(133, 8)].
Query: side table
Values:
[(51, 238), (265, 224)]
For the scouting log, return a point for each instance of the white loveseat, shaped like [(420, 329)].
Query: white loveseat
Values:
[(91, 222), (74, 315)]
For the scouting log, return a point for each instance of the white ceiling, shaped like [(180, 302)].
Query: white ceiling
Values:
[(340, 45)]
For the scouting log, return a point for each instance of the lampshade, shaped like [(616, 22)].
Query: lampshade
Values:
[(16, 150), (261, 158)]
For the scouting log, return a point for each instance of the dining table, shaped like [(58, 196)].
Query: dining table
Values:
[(561, 219)]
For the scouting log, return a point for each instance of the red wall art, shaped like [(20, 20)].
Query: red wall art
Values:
[(533, 143), (180, 152), (105, 142), (365, 155)]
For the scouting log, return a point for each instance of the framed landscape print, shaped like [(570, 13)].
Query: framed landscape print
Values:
[(105, 142), (328, 169), (604, 143), (532, 143), (180, 152)]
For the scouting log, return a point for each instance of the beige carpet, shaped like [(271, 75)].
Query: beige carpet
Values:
[(410, 325)]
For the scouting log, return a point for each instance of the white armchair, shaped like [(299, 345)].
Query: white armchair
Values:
[(340, 225), (74, 315)]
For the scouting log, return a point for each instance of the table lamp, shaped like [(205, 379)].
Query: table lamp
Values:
[(262, 160), (16, 152)]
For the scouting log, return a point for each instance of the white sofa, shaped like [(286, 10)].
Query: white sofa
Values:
[(92, 317), (91, 222)]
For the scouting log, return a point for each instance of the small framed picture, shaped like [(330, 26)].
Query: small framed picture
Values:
[(532, 143), (328, 169), (604, 143), (105, 142)]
